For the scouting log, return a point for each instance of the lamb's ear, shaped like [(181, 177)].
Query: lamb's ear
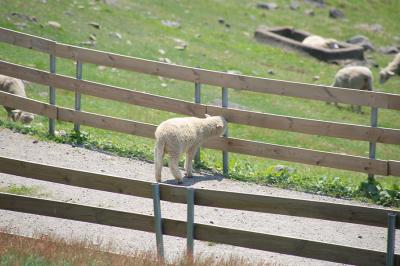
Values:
[(207, 115), (391, 73), (219, 126)]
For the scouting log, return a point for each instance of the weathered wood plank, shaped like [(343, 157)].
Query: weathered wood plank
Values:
[(107, 122), (242, 238), (102, 90), (77, 178), (260, 149), (294, 207), (204, 197), (307, 126), (28, 105), (300, 155), (76, 212), (294, 124), (227, 80), (290, 246), (220, 79), (394, 168), (26, 40)]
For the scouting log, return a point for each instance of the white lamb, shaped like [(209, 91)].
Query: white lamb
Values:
[(392, 69), (184, 135), (320, 42), (15, 86), (354, 77)]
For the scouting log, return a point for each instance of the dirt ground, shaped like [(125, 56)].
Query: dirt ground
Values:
[(25, 147)]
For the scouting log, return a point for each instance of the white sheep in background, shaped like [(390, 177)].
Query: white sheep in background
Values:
[(354, 77), (320, 42), (184, 135), (15, 86), (392, 69)]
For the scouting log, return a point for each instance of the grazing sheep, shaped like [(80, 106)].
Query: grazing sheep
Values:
[(392, 69), (184, 135), (15, 86), (354, 77), (320, 42)]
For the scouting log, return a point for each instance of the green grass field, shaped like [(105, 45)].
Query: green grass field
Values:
[(214, 46)]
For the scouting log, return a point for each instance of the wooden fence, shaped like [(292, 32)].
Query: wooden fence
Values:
[(203, 197), (265, 120), (287, 206)]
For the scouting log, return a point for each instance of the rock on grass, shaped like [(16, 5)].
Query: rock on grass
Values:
[(54, 24)]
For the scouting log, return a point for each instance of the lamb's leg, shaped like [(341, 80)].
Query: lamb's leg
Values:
[(158, 160), (173, 166), (189, 161), (158, 168)]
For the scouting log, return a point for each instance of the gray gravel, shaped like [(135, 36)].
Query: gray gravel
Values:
[(24, 147)]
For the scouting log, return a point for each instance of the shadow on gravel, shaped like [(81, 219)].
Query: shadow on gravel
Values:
[(195, 179)]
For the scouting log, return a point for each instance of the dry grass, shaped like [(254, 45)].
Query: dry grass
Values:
[(48, 250)]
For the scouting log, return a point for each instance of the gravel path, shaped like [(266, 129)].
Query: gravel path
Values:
[(25, 147)]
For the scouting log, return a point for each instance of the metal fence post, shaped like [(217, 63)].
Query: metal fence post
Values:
[(77, 94), (52, 93), (197, 99), (391, 239), (225, 158), (158, 220), (372, 145), (190, 222)]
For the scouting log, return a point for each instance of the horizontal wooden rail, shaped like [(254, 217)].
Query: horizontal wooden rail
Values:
[(204, 197), (293, 124), (102, 90), (27, 41), (308, 126), (260, 149), (241, 238), (394, 167), (220, 79)]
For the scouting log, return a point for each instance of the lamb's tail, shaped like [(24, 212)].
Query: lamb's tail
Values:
[(368, 83), (158, 158)]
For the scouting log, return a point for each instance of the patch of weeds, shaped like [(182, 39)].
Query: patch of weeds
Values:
[(20, 128), (86, 140), (339, 187), (384, 196), (23, 190), (211, 244)]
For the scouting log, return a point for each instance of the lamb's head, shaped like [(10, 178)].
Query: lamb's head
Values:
[(216, 125), (24, 117), (384, 75), (332, 44)]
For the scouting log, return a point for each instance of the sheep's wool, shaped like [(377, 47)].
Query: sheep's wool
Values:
[(15, 86), (392, 69), (184, 135)]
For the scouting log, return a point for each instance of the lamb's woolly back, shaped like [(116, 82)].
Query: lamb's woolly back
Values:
[(186, 127), (320, 42), (17, 87), (12, 85), (354, 77), (390, 70)]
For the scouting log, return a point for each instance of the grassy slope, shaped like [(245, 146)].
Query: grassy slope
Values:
[(218, 48)]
